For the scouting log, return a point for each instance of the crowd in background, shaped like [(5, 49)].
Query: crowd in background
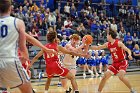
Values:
[(67, 20)]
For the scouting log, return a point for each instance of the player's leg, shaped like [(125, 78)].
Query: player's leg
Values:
[(71, 77), (111, 70), (121, 76), (65, 80), (106, 76), (47, 85), (26, 88), (100, 68), (64, 83)]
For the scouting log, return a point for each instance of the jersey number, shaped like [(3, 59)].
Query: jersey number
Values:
[(50, 55), (115, 55), (4, 31)]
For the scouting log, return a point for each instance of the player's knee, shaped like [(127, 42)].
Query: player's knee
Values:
[(121, 77), (71, 76)]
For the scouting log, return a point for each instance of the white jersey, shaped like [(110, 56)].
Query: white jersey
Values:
[(9, 37), (69, 59)]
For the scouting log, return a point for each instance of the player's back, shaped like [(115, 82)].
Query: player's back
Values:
[(117, 53), (51, 57), (8, 37)]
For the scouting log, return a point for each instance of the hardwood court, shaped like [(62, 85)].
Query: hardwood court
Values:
[(90, 85)]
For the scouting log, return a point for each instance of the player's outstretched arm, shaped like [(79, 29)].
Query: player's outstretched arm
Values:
[(99, 47), (35, 42), (120, 44), (36, 58), (22, 38), (65, 51)]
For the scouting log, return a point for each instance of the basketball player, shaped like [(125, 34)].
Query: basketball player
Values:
[(69, 61), (120, 64), (12, 36), (53, 65)]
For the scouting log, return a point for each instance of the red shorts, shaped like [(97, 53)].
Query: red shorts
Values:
[(116, 67), (55, 67)]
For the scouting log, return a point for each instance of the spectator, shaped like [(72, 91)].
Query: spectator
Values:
[(59, 24), (136, 54), (68, 23), (67, 9), (34, 26), (34, 7), (20, 14), (52, 19), (33, 33), (135, 38), (128, 41), (122, 34), (114, 26)]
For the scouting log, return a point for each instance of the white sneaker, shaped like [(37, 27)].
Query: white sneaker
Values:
[(89, 71), (84, 75), (133, 91), (92, 75)]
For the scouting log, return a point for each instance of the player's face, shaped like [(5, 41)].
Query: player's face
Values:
[(108, 37), (74, 41)]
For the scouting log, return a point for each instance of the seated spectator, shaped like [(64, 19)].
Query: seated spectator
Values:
[(34, 26), (136, 53), (128, 41), (67, 9), (68, 23), (33, 33), (52, 19), (59, 24), (122, 33), (113, 26), (81, 30), (34, 7), (135, 38)]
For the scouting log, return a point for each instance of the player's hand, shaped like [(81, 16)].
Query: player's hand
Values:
[(88, 56), (29, 66), (23, 59), (130, 57)]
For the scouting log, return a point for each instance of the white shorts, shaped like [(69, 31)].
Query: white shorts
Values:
[(12, 74)]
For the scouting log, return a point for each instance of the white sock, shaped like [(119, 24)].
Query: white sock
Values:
[(46, 91)]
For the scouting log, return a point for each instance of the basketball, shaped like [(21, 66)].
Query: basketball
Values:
[(87, 39)]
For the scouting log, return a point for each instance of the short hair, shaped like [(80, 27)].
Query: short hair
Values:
[(4, 6), (51, 36), (112, 33), (75, 37)]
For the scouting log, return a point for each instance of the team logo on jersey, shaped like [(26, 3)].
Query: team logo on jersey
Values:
[(113, 49)]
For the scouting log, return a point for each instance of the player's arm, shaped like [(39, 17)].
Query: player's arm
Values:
[(36, 58), (22, 38), (35, 42), (65, 51), (120, 44), (99, 47), (68, 46)]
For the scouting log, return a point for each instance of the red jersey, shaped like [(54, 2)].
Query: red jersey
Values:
[(51, 57), (117, 53), (53, 65)]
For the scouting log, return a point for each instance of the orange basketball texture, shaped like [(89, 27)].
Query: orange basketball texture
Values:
[(88, 39)]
